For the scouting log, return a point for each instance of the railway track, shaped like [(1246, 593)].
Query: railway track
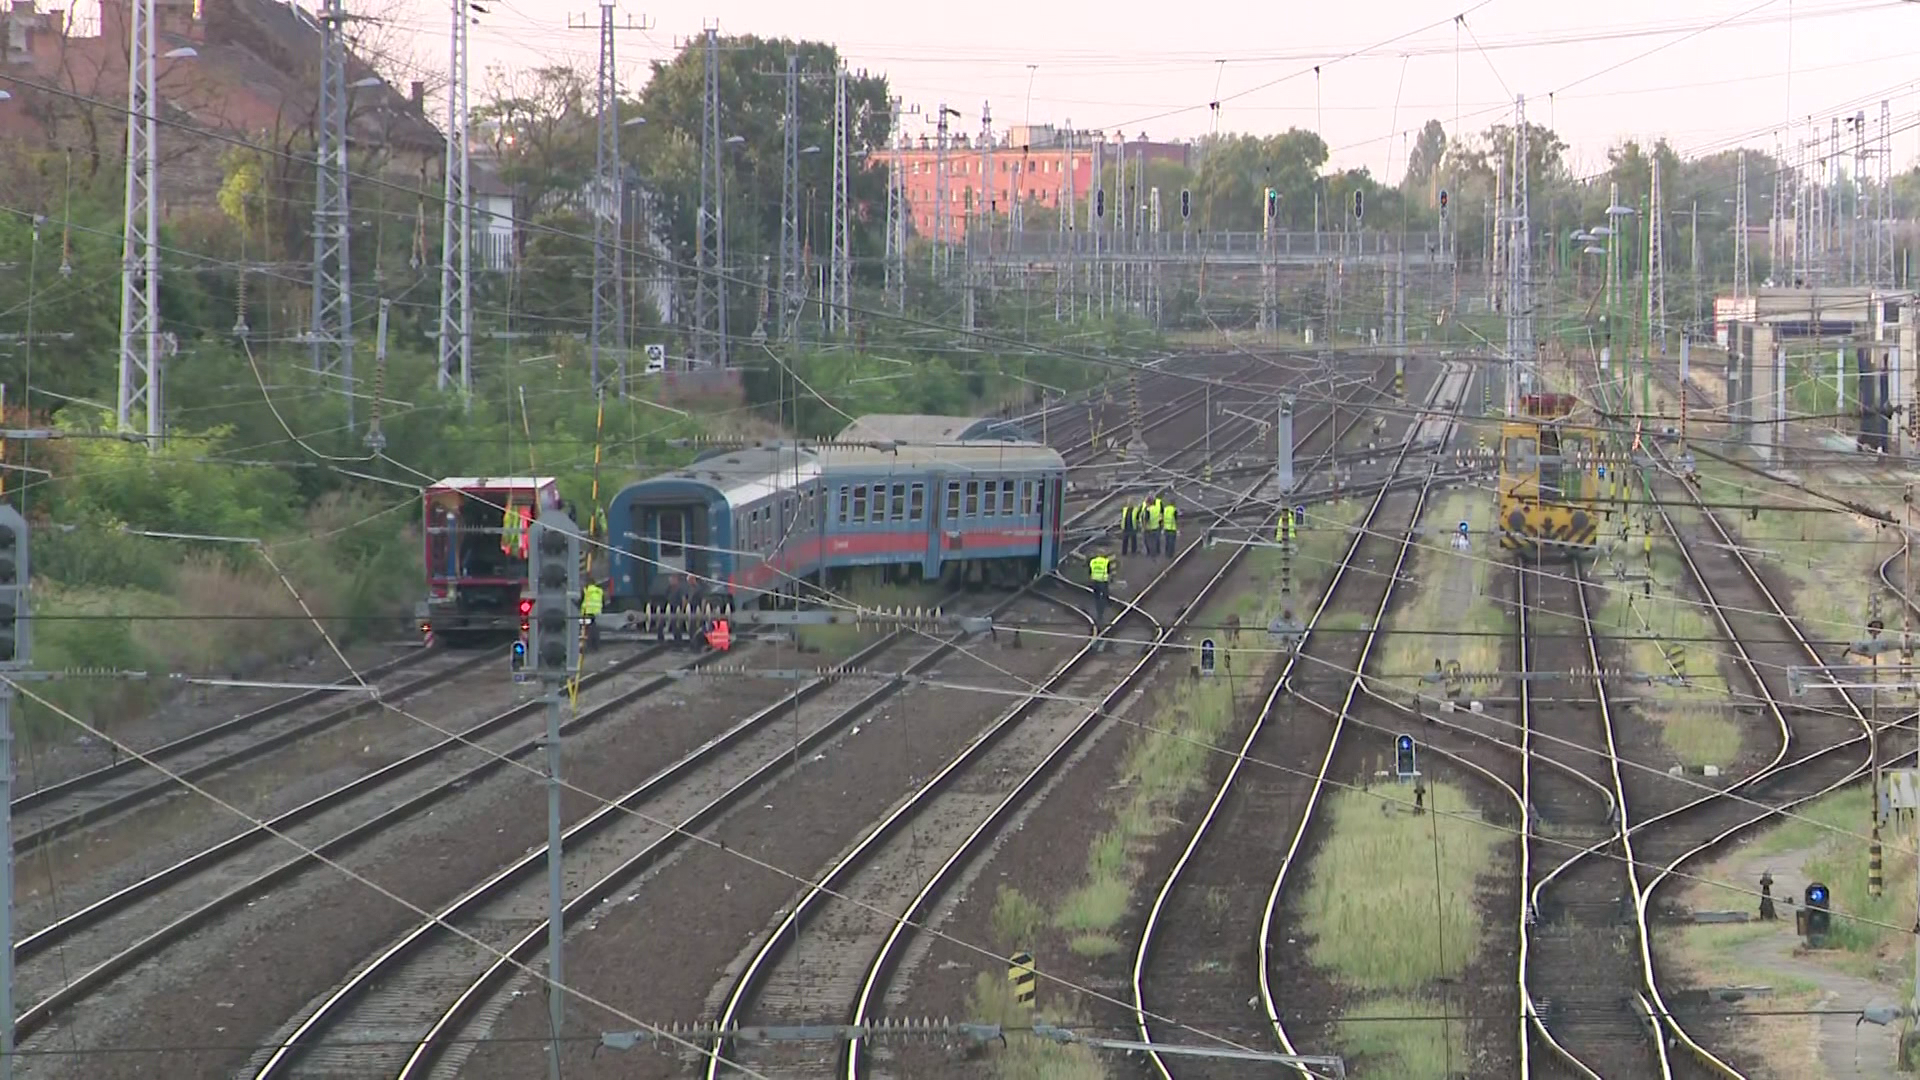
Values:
[(79, 954), (61, 809), (837, 942), (1585, 989), (434, 981), (1218, 852), (1820, 747)]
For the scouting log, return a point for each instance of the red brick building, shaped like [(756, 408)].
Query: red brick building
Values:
[(254, 75), (1030, 163)]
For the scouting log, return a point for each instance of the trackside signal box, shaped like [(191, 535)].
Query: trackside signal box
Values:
[(1403, 758)]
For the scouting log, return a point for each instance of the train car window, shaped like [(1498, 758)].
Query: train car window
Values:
[(973, 499), (1026, 497), (844, 504), (1549, 470), (1040, 496), (859, 504), (953, 499), (1521, 455), (919, 502), (879, 502), (899, 502), (1006, 497)]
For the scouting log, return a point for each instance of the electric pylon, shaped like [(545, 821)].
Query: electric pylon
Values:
[(332, 331), (140, 361), (1883, 257), (1519, 255), (1742, 259), (895, 261), (456, 228), (840, 269), (1065, 268), (942, 199), (792, 293), (710, 287), (1656, 262), (609, 313)]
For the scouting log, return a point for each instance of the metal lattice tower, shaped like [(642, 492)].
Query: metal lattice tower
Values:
[(1856, 240), (1096, 224), (1063, 276), (140, 361), (1779, 255), (840, 276), (1656, 264), (792, 292), (989, 187), (942, 198), (1883, 258), (710, 288), (1519, 255), (609, 314), (332, 330), (1742, 258), (456, 227), (895, 261), (1497, 268)]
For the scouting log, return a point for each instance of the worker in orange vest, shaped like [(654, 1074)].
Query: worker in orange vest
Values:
[(720, 637)]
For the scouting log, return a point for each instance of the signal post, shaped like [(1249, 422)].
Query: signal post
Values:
[(553, 647)]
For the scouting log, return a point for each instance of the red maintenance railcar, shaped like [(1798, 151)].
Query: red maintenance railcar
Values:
[(476, 532)]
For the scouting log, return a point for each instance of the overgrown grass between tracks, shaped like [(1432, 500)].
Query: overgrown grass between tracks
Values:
[(1453, 615), (1390, 909), (1695, 721), (1026, 1056), (1159, 771)]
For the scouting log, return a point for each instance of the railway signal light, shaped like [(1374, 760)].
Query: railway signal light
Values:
[(1186, 204), (1819, 918), (1099, 202), (553, 637), (1359, 204), (1273, 204), (16, 649), (1403, 758), (1443, 199)]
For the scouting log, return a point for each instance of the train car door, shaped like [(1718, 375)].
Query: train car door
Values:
[(936, 509), (668, 526), (1050, 513)]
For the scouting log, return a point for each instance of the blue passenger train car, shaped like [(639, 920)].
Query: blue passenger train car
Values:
[(768, 522)]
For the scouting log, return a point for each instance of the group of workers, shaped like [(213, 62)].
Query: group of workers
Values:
[(1152, 525), (684, 613)]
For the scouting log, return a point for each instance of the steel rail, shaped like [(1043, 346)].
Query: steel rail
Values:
[(100, 911), (1264, 936), (1202, 828), (1617, 802), (1777, 768), (889, 955), (529, 945), (114, 789), (773, 948)]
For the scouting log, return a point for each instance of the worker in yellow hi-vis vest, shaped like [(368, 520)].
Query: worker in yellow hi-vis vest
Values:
[(1150, 525), (1100, 569), (1169, 529)]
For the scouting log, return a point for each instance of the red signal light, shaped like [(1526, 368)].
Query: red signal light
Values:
[(523, 626), (526, 607)]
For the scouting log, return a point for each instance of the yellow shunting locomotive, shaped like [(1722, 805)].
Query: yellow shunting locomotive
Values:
[(1552, 476)]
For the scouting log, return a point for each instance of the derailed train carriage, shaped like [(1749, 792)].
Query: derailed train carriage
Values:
[(767, 524)]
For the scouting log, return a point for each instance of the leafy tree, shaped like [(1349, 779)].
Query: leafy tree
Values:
[(1234, 174)]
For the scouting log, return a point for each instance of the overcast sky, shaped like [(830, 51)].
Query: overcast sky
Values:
[(1705, 73)]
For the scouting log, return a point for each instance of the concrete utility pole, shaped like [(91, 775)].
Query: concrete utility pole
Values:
[(1096, 224), (140, 359), (332, 331), (456, 223), (840, 281), (710, 345)]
